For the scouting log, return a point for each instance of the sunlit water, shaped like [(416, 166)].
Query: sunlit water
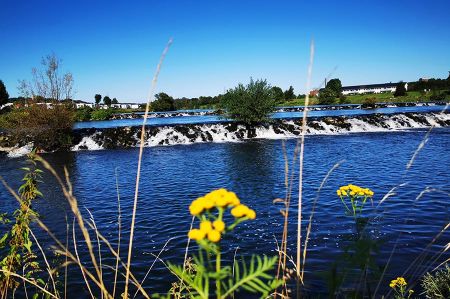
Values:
[(173, 176)]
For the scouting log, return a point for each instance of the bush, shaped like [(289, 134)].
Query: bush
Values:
[(326, 96), (400, 90), (102, 114), (369, 103), (83, 114), (163, 102), (48, 128), (437, 285), (250, 104), (344, 100)]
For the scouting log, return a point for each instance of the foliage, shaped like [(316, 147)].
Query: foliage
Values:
[(369, 103), (250, 104), (98, 98), (163, 102), (107, 101), (326, 96), (400, 90), (4, 96), (48, 128), (278, 94), (357, 196), (335, 86), (289, 93), (114, 101), (254, 277), (19, 257), (48, 82), (437, 285), (83, 114), (399, 285), (102, 114), (344, 100)]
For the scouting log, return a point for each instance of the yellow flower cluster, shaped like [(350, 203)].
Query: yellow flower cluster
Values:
[(399, 282), (217, 198), (211, 230), (243, 211), (354, 190)]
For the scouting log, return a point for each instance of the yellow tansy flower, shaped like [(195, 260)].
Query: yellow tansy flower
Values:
[(239, 211), (214, 236), (196, 234), (251, 214), (219, 225), (206, 226)]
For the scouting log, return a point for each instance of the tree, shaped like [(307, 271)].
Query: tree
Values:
[(326, 96), (163, 102), (250, 104), (107, 101), (289, 94), (48, 82), (335, 85), (115, 101), (4, 96), (400, 90), (98, 98), (278, 94)]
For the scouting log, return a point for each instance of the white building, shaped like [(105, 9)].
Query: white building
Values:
[(371, 88)]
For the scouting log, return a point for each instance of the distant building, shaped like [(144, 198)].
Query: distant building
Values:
[(370, 88), (125, 105), (314, 93), (82, 104)]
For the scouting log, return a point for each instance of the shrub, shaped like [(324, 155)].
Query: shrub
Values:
[(437, 285), (369, 103), (102, 114), (83, 114), (47, 128), (326, 96), (400, 90), (250, 104), (163, 102)]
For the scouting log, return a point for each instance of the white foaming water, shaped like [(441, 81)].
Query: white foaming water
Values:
[(87, 143), (20, 151), (218, 132)]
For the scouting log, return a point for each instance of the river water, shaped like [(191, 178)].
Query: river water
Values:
[(173, 176)]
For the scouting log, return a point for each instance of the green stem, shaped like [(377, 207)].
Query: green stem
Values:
[(218, 276)]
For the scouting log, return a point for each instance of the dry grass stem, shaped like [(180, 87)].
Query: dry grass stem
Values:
[(138, 174)]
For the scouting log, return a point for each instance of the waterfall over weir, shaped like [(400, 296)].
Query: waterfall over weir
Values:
[(123, 137)]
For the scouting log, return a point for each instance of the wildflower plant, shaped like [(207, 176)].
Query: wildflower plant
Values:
[(210, 210), (354, 197), (399, 285)]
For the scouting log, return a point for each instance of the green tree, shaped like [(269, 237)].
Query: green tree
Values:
[(107, 101), (326, 96), (278, 94), (98, 98), (163, 102), (115, 101), (289, 93), (4, 96), (250, 104), (335, 85), (400, 90)]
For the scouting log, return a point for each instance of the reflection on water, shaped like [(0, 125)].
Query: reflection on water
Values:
[(174, 176)]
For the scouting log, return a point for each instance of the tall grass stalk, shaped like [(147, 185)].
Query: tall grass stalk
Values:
[(119, 221), (300, 180), (138, 174)]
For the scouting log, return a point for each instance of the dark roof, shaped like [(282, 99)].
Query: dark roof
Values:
[(381, 85)]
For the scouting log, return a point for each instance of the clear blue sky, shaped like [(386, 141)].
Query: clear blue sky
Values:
[(112, 47)]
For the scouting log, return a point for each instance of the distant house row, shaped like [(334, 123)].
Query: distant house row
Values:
[(363, 89), (82, 104), (370, 88)]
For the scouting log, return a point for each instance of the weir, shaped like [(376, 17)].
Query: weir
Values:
[(124, 137)]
